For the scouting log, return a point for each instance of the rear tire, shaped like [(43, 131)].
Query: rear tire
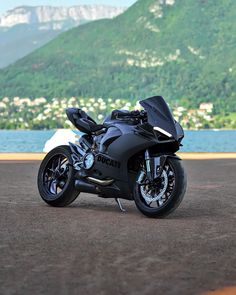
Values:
[(175, 197), (57, 188)]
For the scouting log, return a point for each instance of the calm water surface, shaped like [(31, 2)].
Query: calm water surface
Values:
[(194, 141)]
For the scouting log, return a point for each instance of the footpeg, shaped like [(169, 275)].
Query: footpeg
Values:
[(119, 204)]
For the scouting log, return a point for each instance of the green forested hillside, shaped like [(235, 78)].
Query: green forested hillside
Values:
[(184, 50)]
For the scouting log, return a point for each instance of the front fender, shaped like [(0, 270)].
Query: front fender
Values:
[(157, 163), (173, 156)]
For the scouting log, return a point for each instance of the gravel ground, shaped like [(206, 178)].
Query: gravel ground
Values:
[(91, 247)]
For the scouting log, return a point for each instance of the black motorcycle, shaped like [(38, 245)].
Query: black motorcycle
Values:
[(130, 156)]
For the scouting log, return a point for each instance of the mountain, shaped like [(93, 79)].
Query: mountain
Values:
[(182, 49), (24, 29), (59, 15)]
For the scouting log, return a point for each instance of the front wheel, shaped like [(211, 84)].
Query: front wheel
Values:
[(56, 178), (159, 198)]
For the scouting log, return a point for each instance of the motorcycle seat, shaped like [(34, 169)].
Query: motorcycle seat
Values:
[(82, 121)]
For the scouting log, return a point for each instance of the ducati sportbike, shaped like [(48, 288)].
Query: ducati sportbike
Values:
[(130, 156)]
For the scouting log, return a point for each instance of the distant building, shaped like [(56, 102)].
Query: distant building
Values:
[(181, 109), (206, 106), (191, 112)]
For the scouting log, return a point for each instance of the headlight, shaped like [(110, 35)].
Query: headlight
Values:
[(162, 131), (89, 161)]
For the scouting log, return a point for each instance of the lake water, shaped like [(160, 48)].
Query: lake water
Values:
[(194, 141)]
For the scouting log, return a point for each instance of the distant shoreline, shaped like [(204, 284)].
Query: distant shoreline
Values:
[(184, 156), (212, 129)]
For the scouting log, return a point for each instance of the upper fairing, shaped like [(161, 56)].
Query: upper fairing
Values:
[(159, 114)]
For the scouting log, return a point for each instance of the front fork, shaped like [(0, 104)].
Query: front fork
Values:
[(148, 161), (154, 165)]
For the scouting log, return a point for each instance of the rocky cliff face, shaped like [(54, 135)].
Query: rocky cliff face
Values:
[(24, 29), (49, 14)]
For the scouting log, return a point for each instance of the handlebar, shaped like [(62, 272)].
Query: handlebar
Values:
[(133, 114)]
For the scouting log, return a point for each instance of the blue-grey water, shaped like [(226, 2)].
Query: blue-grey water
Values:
[(194, 141)]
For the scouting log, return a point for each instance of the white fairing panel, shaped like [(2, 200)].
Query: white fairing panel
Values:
[(60, 137)]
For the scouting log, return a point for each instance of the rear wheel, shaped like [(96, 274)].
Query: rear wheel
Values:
[(162, 196), (56, 178)]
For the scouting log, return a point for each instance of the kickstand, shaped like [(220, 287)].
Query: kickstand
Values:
[(119, 204)]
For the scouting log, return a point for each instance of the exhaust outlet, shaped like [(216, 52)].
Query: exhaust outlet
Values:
[(100, 181), (83, 186)]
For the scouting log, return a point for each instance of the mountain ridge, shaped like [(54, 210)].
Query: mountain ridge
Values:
[(183, 50), (46, 13), (26, 28)]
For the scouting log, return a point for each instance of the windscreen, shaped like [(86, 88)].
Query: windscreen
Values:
[(159, 114)]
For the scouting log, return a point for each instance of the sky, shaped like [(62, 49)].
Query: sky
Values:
[(9, 4)]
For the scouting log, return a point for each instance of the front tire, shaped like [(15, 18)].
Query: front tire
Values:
[(56, 178), (167, 193)]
